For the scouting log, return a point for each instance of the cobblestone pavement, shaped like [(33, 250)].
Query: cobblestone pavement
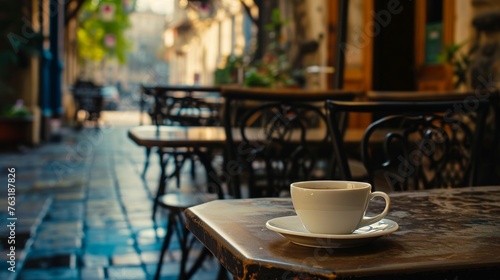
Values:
[(82, 211)]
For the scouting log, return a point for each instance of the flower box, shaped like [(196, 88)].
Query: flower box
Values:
[(15, 130)]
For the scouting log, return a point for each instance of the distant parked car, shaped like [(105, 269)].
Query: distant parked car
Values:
[(111, 97)]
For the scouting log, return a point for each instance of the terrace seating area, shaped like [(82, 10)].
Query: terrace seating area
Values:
[(223, 139)]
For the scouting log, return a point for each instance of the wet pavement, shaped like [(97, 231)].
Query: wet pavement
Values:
[(81, 210)]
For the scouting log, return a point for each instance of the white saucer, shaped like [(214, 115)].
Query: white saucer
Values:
[(291, 228)]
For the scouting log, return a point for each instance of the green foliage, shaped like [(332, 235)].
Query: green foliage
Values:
[(274, 28), (229, 73), (223, 76), (276, 21), (274, 68), (93, 30), (15, 111), (460, 61), (254, 78)]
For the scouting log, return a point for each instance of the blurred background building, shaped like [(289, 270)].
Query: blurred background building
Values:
[(390, 45)]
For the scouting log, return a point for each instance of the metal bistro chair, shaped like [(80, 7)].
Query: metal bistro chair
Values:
[(416, 145), (174, 110), (89, 100), (147, 94), (281, 137)]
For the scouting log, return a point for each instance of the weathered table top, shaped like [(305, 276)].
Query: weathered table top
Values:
[(442, 234), (468, 96), (208, 136), (177, 136), (289, 94), (186, 88)]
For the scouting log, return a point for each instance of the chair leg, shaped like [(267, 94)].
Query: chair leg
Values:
[(164, 177), (162, 183), (214, 184), (193, 169), (222, 275), (166, 243), (197, 264), (174, 218), (146, 164), (185, 248), (178, 166)]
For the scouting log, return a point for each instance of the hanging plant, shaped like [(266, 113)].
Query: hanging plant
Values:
[(107, 11), (102, 30)]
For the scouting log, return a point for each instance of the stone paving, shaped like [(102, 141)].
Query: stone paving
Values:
[(84, 212)]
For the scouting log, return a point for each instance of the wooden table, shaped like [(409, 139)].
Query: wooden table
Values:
[(420, 95), (290, 94), (185, 89), (177, 136), (152, 136), (204, 136), (443, 234), (210, 137)]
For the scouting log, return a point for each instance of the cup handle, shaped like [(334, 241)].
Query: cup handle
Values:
[(366, 221)]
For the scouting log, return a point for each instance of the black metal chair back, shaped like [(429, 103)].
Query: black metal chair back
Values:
[(276, 140), (416, 145), (184, 110), (88, 97)]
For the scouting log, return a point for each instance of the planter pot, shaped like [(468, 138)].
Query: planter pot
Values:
[(15, 130)]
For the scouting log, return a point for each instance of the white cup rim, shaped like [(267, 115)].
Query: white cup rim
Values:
[(358, 185)]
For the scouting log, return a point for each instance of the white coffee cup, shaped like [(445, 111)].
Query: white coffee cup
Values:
[(335, 207)]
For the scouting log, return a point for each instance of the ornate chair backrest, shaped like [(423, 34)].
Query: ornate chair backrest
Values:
[(147, 103), (276, 139), (88, 97), (417, 145), (183, 110)]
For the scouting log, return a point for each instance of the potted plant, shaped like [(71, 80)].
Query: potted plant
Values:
[(15, 123), (229, 73), (458, 61)]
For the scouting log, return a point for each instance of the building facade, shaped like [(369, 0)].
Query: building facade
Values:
[(391, 45)]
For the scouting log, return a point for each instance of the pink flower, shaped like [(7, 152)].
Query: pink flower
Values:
[(107, 11), (19, 104), (110, 40)]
